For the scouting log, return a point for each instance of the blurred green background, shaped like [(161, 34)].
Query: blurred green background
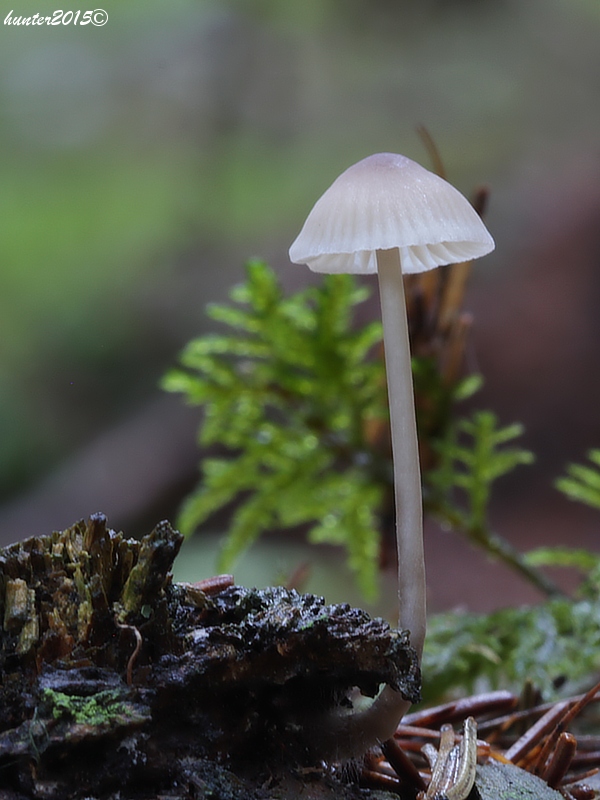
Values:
[(141, 163)]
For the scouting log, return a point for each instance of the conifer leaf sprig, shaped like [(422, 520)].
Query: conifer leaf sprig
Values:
[(472, 457), (290, 392), (583, 482)]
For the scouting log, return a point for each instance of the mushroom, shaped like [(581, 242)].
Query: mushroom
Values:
[(387, 214)]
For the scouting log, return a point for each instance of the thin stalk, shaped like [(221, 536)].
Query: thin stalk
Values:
[(351, 735), (496, 547), (405, 451), (500, 548)]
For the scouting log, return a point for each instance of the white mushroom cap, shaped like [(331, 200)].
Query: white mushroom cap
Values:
[(383, 202)]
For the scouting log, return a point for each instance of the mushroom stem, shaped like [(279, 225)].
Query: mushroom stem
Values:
[(405, 450), (339, 737), (350, 735)]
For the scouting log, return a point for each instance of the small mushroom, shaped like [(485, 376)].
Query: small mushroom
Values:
[(389, 215)]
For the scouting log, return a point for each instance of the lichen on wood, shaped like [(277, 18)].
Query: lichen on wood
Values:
[(116, 682)]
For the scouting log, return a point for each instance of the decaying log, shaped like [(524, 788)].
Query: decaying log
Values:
[(118, 683)]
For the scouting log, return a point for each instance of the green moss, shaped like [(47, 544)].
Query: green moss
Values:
[(105, 708), (294, 394), (291, 391)]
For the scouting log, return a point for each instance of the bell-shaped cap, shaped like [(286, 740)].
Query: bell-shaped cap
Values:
[(387, 201)]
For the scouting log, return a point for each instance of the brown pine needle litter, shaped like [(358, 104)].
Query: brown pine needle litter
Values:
[(536, 739)]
